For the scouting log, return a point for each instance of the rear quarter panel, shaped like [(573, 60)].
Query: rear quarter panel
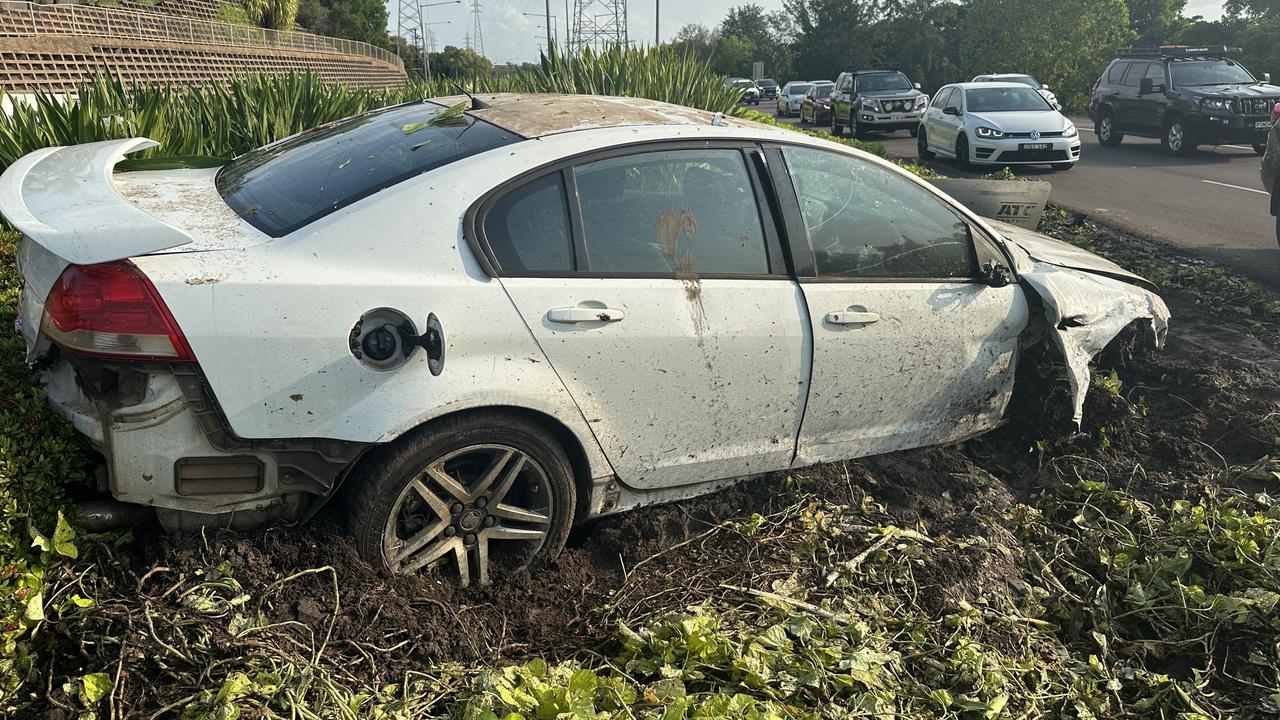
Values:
[(270, 325)]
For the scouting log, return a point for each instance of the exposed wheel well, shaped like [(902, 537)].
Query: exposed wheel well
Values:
[(572, 447)]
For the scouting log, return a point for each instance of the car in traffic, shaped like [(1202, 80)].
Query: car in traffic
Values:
[(816, 106), (989, 123), (791, 96), (750, 93), (1185, 96), (768, 89), (866, 101), (1023, 79), (1271, 166), (470, 323)]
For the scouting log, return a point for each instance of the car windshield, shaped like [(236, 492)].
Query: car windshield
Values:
[(767, 84), (883, 81), (1210, 72), (798, 89), (1005, 99), (824, 91), (292, 183)]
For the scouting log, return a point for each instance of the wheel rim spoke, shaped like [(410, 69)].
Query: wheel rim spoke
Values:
[(503, 532), (446, 481), (482, 559), (495, 468), (431, 554), (439, 506), (511, 512), (417, 542), (508, 478)]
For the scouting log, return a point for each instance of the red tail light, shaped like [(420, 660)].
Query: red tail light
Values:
[(112, 310)]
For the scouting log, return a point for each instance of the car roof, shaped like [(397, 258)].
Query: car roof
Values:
[(987, 85), (533, 116), (1004, 75)]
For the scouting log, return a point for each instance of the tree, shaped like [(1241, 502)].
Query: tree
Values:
[(831, 35), (759, 35), (696, 40), (1063, 43), (273, 14), (1236, 8), (461, 63), (363, 20), (1155, 21)]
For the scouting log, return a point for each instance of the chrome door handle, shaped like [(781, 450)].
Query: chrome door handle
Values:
[(852, 317), (571, 315)]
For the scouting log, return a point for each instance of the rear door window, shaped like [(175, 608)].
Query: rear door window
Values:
[(528, 229), (672, 213), (286, 186), (1136, 71)]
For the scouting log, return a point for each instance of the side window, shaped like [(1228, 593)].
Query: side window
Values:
[(1136, 71), (956, 99), (940, 100), (1155, 71), (865, 221), (676, 212), (1116, 73), (528, 229)]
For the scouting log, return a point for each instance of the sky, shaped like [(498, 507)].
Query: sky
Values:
[(512, 36)]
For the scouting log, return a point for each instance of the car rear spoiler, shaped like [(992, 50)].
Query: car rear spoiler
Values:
[(63, 198)]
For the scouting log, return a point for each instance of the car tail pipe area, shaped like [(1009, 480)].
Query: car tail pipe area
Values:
[(96, 516)]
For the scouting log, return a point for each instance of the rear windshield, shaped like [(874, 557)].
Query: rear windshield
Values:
[(293, 183)]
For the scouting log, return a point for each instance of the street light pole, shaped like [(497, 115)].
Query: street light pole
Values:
[(657, 23), (548, 3)]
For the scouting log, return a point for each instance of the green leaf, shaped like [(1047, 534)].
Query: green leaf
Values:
[(81, 602), (63, 534), (35, 607), (96, 686)]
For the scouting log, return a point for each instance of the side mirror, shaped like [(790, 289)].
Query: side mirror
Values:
[(1266, 78), (951, 110), (996, 275), (1044, 87), (915, 85), (1146, 86)]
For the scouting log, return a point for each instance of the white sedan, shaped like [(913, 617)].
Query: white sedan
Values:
[(482, 322), (997, 124)]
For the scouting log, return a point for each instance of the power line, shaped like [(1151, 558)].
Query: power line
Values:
[(598, 24)]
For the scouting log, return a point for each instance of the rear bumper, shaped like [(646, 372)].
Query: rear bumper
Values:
[(1218, 129), (162, 450)]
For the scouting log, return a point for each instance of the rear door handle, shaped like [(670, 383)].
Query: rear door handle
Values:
[(852, 317), (570, 315)]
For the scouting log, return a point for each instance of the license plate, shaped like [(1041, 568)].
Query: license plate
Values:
[(1035, 146), (897, 116), (1262, 125)]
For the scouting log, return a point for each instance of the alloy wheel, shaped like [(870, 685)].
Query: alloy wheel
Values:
[(1175, 136), (1104, 128), (478, 504)]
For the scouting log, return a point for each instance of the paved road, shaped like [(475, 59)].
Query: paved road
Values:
[(1211, 203)]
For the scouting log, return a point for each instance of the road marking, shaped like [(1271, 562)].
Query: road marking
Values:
[(1236, 187)]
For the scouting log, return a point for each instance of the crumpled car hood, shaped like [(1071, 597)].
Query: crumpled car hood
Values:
[(1088, 300)]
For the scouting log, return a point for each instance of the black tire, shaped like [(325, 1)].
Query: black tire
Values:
[(1063, 167), (854, 128), (1177, 139), (381, 483), (1278, 229), (1106, 132), (1260, 149), (836, 128), (922, 146), (962, 153)]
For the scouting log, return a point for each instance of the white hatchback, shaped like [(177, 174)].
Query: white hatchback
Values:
[(482, 323), (990, 123)]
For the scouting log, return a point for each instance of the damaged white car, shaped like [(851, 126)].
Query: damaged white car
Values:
[(478, 328)]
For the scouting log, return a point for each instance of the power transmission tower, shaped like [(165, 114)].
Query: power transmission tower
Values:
[(598, 24), (409, 25), (475, 39)]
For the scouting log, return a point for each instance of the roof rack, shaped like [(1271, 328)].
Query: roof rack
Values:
[(1182, 51)]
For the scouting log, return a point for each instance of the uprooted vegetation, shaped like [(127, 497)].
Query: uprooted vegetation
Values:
[(1129, 570)]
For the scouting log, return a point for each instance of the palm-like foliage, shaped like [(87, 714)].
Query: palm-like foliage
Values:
[(251, 111)]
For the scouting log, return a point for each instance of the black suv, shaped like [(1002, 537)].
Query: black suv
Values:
[(1186, 96), (877, 101)]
